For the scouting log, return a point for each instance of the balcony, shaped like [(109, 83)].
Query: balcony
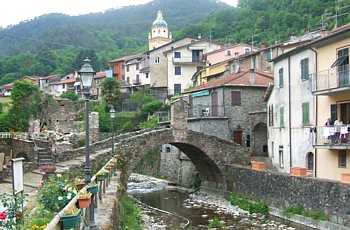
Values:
[(136, 82), (331, 137), (206, 111), (331, 80), (189, 60)]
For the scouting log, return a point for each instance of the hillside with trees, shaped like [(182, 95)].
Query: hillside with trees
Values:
[(58, 43)]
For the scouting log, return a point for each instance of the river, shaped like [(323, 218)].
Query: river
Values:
[(194, 211)]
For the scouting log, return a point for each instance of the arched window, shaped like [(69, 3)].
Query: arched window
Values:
[(310, 161)]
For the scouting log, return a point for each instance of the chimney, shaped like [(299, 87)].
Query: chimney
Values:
[(263, 45), (252, 77)]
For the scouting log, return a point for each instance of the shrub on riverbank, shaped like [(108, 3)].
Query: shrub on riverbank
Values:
[(130, 214), (248, 204), (300, 210)]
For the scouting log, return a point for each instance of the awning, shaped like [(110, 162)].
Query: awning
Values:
[(200, 93), (196, 47), (339, 61)]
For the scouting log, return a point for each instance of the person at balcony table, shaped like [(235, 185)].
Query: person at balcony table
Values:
[(338, 123), (328, 122)]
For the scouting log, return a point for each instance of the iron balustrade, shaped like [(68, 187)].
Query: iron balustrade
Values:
[(330, 80), (331, 136)]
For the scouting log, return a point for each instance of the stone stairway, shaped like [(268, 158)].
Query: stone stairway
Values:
[(43, 156)]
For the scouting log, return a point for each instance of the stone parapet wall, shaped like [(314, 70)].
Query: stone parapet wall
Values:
[(281, 190)]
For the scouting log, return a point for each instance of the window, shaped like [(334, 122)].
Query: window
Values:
[(177, 54), (147, 75), (271, 115), (235, 98), (127, 68), (342, 159), (268, 55), (280, 77), (123, 66), (282, 117), (310, 161), (247, 50), (137, 66), (128, 79), (156, 60), (306, 113), (167, 149), (177, 70), (342, 58), (280, 155), (63, 86), (177, 89), (199, 68), (137, 79), (123, 77), (304, 65)]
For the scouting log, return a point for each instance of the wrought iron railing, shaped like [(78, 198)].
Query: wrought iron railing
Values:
[(330, 79), (331, 136)]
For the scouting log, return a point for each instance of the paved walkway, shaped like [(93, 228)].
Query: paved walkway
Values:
[(32, 180)]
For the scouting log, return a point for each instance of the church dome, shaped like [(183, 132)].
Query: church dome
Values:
[(159, 21)]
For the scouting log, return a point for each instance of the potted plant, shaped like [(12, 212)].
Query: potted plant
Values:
[(79, 183), (93, 188), (84, 198), (71, 217), (100, 175)]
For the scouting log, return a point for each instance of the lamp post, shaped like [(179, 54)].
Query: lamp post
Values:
[(112, 113), (87, 76)]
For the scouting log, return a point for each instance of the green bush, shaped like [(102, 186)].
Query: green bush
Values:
[(216, 223), (248, 204), (300, 210), (130, 214)]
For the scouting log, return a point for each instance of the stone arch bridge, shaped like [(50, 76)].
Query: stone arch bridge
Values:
[(209, 154)]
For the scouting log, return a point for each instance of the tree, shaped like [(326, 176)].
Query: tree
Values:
[(26, 98), (70, 95), (139, 98), (110, 91)]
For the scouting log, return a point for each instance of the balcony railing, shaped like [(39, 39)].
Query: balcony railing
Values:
[(336, 137), (331, 80), (206, 111), (193, 59)]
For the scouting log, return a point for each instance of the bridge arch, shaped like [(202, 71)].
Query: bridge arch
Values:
[(209, 154)]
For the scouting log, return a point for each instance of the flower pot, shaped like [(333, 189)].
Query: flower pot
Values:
[(71, 221), (93, 189), (80, 186), (84, 202), (100, 177), (298, 171), (345, 178), (258, 165), (106, 174)]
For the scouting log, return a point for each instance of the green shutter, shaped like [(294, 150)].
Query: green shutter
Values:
[(282, 117), (306, 113), (304, 69), (280, 74)]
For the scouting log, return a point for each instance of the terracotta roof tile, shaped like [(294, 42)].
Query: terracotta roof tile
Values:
[(261, 78)]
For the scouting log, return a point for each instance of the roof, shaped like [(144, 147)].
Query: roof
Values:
[(71, 80), (125, 58), (100, 74), (159, 21), (261, 78), (194, 43)]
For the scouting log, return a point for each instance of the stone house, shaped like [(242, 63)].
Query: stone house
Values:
[(232, 107)]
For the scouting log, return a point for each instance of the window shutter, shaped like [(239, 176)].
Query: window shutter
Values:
[(235, 98)]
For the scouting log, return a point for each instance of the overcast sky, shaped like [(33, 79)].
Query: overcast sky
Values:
[(14, 11)]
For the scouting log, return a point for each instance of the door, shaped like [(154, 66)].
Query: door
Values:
[(214, 104), (237, 137)]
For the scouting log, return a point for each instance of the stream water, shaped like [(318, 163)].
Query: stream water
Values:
[(195, 210)]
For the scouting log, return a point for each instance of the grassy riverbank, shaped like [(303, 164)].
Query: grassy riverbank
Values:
[(130, 214)]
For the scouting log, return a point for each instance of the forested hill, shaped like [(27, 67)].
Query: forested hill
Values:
[(57, 43)]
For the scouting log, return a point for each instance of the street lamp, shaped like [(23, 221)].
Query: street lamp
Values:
[(87, 76), (112, 113)]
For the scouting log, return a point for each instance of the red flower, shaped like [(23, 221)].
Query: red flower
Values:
[(72, 180), (19, 215), (3, 216)]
